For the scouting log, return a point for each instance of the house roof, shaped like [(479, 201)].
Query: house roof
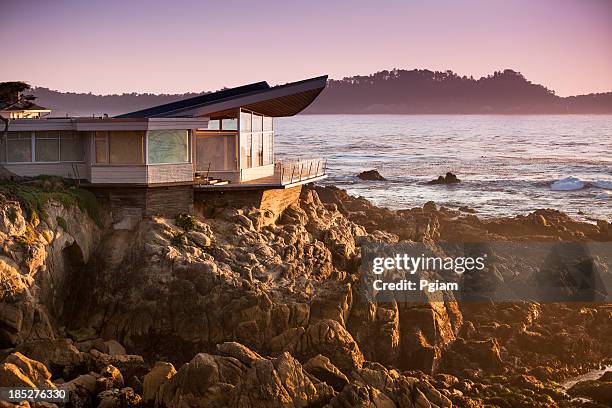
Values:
[(282, 100)]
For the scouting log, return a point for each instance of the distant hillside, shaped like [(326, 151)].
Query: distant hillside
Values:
[(396, 91), (424, 91)]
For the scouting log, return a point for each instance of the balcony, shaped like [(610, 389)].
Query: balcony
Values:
[(285, 174)]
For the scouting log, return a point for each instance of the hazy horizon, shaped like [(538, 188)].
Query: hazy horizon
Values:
[(157, 47)]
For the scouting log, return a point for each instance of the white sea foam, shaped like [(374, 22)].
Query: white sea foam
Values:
[(605, 184), (568, 184), (604, 195)]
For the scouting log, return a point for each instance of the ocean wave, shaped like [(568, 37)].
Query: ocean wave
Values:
[(605, 184), (568, 184), (574, 183)]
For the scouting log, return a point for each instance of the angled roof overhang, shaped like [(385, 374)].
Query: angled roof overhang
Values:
[(282, 100)]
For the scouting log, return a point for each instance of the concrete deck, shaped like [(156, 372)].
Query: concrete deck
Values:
[(261, 183)]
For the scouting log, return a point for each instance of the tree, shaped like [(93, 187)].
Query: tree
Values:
[(11, 95)]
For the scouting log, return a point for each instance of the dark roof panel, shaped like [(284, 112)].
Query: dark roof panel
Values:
[(197, 100), (282, 100)]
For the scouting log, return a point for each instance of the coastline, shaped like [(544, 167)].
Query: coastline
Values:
[(241, 290)]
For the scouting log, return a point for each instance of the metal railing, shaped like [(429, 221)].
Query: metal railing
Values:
[(300, 170)]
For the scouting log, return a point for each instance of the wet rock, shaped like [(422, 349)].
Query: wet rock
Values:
[(449, 178), (371, 175), (596, 390)]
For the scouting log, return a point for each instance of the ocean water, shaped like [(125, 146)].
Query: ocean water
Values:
[(508, 164)]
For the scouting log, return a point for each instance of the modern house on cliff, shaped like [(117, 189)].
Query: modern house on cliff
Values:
[(218, 141), (222, 138)]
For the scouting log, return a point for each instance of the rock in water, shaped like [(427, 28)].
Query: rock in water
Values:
[(371, 175), (450, 178)]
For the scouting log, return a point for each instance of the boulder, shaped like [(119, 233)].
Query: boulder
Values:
[(598, 391), (153, 380), (19, 371), (371, 175), (324, 370), (449, 178)]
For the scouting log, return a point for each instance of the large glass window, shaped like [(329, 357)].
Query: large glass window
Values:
[(101, 146), (257, 149), (245, 121), (168, 146), (268, 148), (119, 147), (267, 123), (257, 140), (245, 151), (216, 152), (47, 146), (214, 124), (71, 146), (229, 124), (126, 147), (257, 123), (19, 147)]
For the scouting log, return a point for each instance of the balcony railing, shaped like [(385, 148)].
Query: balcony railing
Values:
[(301, 170)]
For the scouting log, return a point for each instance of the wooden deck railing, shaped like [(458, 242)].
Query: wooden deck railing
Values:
[(300, 170)]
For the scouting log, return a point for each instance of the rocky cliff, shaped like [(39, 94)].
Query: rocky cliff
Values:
[(249, 308)]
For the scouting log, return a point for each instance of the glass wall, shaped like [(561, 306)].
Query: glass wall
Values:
[(246, 151), (71, 145), (19, 147), (256, 140), (216, 152), (119, 147), (168, 146), (46, 146)]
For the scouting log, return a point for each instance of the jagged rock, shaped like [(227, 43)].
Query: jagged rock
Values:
[(114, 348), (599, 391), (119, 398), (18, 371), (331, 339), (472, 353), (372, 175), (449, 178), (86, 382), (110, 377), (214, 381), (239, 352), (53, 352), (154, 379), (324, 370), (361, 396)]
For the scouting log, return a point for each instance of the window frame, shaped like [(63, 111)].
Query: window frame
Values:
[(261, 135), (32, 149), (189, 148), (46, 136), (33, 137)]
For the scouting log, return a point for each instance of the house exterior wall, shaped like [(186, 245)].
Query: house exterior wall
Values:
[(120, 174), (66, 170), (169, 173)]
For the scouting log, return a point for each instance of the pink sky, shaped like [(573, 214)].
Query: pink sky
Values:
[(180, 46)]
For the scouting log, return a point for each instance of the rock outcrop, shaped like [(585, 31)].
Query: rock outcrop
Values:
[(371, 175), (260, 309)]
